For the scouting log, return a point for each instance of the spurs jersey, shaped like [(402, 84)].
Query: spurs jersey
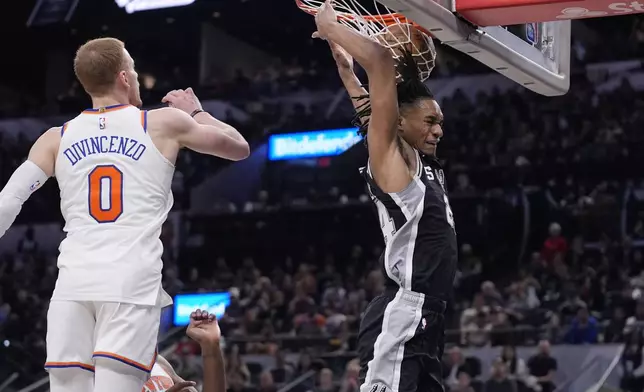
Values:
[(115, 191), (418, 227)]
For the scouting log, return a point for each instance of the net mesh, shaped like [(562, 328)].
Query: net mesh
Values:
[(392, 30)]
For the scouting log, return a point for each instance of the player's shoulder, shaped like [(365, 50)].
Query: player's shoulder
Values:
[(167, 119), (52, 135)]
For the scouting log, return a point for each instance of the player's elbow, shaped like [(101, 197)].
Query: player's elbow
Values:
[(240, 151), (380, 59)]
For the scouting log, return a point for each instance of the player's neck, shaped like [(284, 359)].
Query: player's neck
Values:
[(101, 102)]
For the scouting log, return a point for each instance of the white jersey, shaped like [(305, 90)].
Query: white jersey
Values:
[(115, 191)]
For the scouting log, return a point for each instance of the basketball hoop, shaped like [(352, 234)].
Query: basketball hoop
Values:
[(391, 29)]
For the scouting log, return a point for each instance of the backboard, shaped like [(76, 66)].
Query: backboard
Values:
[(535, 55)]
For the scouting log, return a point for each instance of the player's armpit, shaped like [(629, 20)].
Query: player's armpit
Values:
[(25, 180), (209, 139)]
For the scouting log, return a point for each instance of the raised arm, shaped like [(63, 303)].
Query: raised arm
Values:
[(388, 167), (197, 130), (28, 177), (351, 83)]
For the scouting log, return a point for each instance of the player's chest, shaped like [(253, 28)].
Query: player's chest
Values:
[(434, 180)]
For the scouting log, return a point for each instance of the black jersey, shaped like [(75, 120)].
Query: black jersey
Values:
[(418, 227)]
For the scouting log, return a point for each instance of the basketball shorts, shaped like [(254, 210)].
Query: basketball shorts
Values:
[(400, 343), (79, 332)]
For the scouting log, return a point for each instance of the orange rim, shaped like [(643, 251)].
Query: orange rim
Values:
[(385, 19)]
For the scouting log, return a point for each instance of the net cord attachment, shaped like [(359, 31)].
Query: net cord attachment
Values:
[(378, 25)]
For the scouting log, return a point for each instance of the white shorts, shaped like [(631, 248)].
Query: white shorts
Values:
[(78, 332)]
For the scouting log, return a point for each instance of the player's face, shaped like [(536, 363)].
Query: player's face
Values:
[(421, 125), (134, 94)]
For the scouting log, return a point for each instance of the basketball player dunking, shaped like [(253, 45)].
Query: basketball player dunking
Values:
[(114, 165), (401, 337)]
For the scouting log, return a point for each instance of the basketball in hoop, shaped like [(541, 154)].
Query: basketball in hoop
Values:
[(392, 30), (405, 36)]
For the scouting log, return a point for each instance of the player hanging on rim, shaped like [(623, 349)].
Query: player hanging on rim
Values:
[(401, 337), (114, 165)]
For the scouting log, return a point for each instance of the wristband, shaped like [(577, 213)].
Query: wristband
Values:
[(197, 111)]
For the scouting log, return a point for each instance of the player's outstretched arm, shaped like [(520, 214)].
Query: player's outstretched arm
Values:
[(197, 130), (203, 329), (389, 169), (28, 177), (351, 82)]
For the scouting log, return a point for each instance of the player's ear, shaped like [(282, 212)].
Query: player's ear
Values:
[(123, 78), (401, 123)]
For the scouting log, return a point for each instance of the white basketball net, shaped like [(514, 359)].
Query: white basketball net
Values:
[(392, 30)]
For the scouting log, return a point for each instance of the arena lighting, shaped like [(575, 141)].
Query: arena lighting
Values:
[(315, 144), (132, 6), (185, 304)]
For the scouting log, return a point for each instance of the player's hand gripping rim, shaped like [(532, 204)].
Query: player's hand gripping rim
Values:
[(325, 19)]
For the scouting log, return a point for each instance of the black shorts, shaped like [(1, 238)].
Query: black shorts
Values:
[(401, 341)]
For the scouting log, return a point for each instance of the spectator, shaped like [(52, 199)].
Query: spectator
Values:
[(325, 381), (554, 244), (499, 381), (543, 366), (266, 383), (614, 331), (464, 383), (350, 381), (584, 328)]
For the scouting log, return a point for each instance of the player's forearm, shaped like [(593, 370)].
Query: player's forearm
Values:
[(27, 178), (367, 52), (214, 378), (353, 86), (9, 209), (205, 118)]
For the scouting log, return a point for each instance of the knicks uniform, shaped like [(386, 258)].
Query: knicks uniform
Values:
[(401, 336), (115, 190)]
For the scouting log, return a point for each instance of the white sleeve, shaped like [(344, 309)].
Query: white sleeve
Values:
[(27, 178)]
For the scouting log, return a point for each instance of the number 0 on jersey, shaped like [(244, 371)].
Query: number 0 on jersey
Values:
[(105, 193)]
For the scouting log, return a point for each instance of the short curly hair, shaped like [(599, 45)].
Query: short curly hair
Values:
[(409, 87)]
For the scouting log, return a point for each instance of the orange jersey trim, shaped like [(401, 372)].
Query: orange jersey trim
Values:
[(127, 361), (105, 109), (62, 365)]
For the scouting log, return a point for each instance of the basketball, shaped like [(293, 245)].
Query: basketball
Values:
[(419, 44), (158, 384)]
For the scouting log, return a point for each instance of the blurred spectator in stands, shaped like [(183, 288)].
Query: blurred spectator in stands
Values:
[(614, 330), (350, 381), (499, 380), (516, 368), (325, 381), (28, 243), (266, 382), (282, 372), (554, 244), (464, 383), (469, 315), (543, 366), (583, 330), (305, 365), (457, 363), (633, 364), (477, 332), (636, 321), (491, 294), (237, 373)]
